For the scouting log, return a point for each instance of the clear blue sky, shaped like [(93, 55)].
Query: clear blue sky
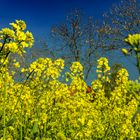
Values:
[(40, 15)]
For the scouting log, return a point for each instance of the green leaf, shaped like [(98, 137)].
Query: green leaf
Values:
[(35, 128), (10, 122)]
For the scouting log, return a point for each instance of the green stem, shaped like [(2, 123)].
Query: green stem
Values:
[(21, 131), (4, 110), (138, 61), (3, 45), (21, 91)]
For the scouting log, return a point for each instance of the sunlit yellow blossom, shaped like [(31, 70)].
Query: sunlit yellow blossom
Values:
[(12, 47), (6, 32), (21, 36), (76, 67), (122, 76), (29, 38), (103, 63), (21, 24), (18, 25), (17, 65), (133, 40), (124, 51), (15, 26)]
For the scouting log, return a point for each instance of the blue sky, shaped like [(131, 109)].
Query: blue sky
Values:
[(41, 15)]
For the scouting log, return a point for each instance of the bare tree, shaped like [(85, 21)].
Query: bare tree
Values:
[(122, 19), (79, 40)]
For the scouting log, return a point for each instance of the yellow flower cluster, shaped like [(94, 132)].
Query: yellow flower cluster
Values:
[(6, 32), (103, 69), (103, 65), (18, 25), (122, 76), (42, 106), (77, 69), (15, 39), (12, 47), (45, 67), (133, 40)]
